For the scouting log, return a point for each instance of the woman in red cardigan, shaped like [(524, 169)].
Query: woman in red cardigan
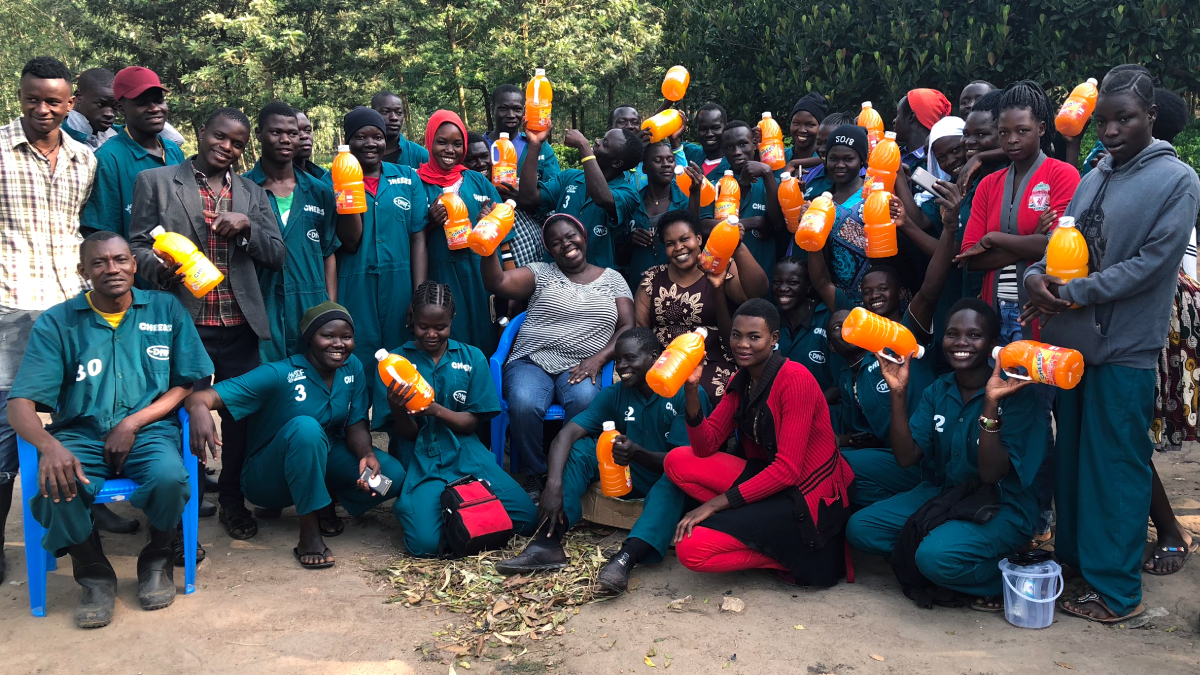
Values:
[(783, 505)]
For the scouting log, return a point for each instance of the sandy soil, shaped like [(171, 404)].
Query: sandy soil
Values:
[(256, 611)]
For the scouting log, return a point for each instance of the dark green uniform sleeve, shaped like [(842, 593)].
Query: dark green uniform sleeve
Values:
[(922, 424), (677, 437), (627, 201), (329, 240), (246, 394), (43, 371), (481, 391), (104, 210), (552, 188), (602, 409), (189, 359), (360, 396), (1024, 434), (548, 166)]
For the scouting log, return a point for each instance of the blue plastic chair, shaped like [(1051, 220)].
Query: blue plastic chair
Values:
[(40, 561), (500, 422)]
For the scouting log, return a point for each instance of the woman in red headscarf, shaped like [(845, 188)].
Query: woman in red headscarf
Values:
[(446, 140)]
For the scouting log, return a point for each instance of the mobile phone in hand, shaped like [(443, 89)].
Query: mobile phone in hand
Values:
[(924, 179), (379, 484)]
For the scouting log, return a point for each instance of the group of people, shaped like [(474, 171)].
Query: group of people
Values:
[(787, 448)]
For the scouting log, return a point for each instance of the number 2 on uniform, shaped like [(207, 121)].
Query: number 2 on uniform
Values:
[(300, 393), (938, 422)]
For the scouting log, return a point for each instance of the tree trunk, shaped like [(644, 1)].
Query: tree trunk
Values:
[(462, 92), (611, 87), (407, 111)]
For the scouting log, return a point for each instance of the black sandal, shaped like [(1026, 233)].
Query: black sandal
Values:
[(239, 524), (325, 555), (330, 523), (1163, 552)]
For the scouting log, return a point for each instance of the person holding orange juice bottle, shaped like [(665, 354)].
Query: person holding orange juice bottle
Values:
[(508, 111), (660, 195)]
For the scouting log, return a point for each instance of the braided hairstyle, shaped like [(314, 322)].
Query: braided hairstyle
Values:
[(1132, 79), (1029, 95), (431, 294), (644, 338)]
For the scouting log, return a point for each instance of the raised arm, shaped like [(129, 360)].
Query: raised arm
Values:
[(514, 284), (925, 301), (594, 180), (818, 276), (529, 192), (906, 451)]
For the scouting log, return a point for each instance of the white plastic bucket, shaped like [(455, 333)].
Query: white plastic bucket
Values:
[(1030, 592)]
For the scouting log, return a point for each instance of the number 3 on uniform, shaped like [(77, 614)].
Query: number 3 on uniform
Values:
[(300, 393), (93, 369)]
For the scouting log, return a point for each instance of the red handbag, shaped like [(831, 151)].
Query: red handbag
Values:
[(474, 519)]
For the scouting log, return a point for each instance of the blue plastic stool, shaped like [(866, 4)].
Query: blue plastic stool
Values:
[(39, 561)]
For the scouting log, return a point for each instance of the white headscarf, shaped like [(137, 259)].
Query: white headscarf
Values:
[(947, 126)]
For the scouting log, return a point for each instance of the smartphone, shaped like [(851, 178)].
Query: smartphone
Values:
[(924, 179), (379, 484)]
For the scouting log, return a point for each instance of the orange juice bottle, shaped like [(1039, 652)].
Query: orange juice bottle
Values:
[(817, 222), (676, 82), (492, 229), (878, 225), (504, 162), (791, 200), (708, 191), (1046, 364), (729, 196), (874, 333), (615, 480), (870, 120), (396, 368), (672, 369), (349, 193), (718, 250), (1067, 252), (200, 275), (770, 149), (458, 221), (1076, 110), (663, 124), (884, 162), (538, 97)]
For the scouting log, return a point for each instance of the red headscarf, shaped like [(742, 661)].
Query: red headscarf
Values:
[(929, 105), (430, 171)]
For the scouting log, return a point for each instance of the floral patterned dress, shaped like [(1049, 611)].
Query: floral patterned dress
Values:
[(675, 310), (1178, 397)]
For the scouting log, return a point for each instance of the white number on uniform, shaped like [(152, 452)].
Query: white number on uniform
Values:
[(93, 369), (566, 201), (300, 393), (938, 422)]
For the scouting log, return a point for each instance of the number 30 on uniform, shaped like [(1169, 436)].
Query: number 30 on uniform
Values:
[(93, 369)]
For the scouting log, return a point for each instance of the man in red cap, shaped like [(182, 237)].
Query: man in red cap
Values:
[(915, 116)]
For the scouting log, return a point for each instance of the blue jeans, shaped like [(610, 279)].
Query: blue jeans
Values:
[(8, 445), (1010, 324), (529, 391)]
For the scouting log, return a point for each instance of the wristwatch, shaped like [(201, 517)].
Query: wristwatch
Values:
[(990, 425)]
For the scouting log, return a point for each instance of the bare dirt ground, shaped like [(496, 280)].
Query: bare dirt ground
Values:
[(256, 611)]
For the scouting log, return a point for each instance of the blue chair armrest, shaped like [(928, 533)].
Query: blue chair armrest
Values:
[(496, 363)]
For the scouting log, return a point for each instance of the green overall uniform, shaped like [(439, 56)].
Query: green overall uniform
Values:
[(460, 269), (962, 555), (118, 162), (296, 450), (817, 184), (462, 382), (92, 376), (959, 283), (315, 170), (567, 193), (310, 236), (375, 283), (645, 257), (548, 166), (809, 344), (717, 172), (407, 154), (657, 424), (760, 244)]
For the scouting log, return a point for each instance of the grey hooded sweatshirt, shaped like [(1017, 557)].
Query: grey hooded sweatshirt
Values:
[(1124, 310)]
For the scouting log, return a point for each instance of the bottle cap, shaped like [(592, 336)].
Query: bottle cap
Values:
[(996, 352), (539, 71), (732, 220), (503, 321), (1092, 81), (1066, 221), (826, 195), (728, 172), (890, 134), (448, 190), (610, 426), (678, 169), (701, 331), (157, 231), (381, 354), (343, 148), (766, 116), (920, 352), (503, 134), (867, 104), (786, 175), (510, 203)]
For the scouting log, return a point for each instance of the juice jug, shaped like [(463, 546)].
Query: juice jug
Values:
[(817, 222), (538, 98), (676, 364), (349, 193), (676, 82), (770, 149), (504, 162), (884, 161), (1067, 252), (708, 191), (396, 368), (874, 333), (870, 120), (878, 226), (615, 480), (458, 221), (791, 200), (663, 124), (729, 197), (718, 250), (1076, 110), (1046, 364), (200, 275), (492, 229)]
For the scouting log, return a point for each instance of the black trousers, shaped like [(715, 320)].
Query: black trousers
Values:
[(234, 351)]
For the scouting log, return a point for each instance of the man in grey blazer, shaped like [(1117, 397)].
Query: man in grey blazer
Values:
[(230, 219)]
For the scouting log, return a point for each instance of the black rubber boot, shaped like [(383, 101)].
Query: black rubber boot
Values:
[(6, 491), (99, 581), (156, 570), (540, 555), (108, 521)]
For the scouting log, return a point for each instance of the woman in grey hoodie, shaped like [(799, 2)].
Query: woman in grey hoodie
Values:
[(1136, 211)]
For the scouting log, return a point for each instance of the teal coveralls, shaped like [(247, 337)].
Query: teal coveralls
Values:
[(460, 269), (118, 162), (809, 345), (645, 257), (962, 555), (310, 236), (408, 154), (760, 244), (548, 165), (92, 376), (567, 193), (462, 382), (296, 450), (714, 174)]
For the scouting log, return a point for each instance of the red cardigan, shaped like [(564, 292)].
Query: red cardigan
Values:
[(803, 438)]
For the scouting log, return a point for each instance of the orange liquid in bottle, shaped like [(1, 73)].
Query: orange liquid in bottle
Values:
[(870, 120), (1067, 252), (729, 197), (884, 162), (458, 221), (663, 124), (676, 364), (350, 195), (539, 96), (676, 82), (492, 229), (817, 222), (1045, 364), (504, 162), (200, 275), (718, 250), (791, 200), (1075, 111), (770, 150), (708, 191), (615, 480), (396, 368), (874, 333), (878, 226)]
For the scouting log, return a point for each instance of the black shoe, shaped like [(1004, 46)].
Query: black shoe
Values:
[(99, 581), (156, 570), (533, 486), (210, 486), (207, 509), (538, 556), (108, 521), (614, 577), (269, 514), (239, 522), (177, 549)]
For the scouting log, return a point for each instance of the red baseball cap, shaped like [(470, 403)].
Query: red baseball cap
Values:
[(131, 82)]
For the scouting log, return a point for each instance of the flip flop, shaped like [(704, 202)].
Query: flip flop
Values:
[(1093, 596), (326, 554), (1161, 552), (980, 604), (331, 527)]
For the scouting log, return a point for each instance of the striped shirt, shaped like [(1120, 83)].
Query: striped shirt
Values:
[(568, 322), (1006, 284), (39, 219)]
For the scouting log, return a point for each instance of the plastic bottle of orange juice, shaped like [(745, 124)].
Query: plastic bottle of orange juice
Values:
[(396, 368), (817, 222), (791, 200), (1067, 252), (718, 250), (504, 162), (677, 362), (349, 193), (729, 196), (873, 333), (884, 162), (199, 274), (870, 120), (770, 149), (1076, 110), (1046, 364), (708, 191), (878, 225), (615, 480), (458, 221), (492, 229), (538, 97), (663, 124), (676, 82)]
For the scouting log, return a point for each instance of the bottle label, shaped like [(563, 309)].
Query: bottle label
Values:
[(1044, 365), (344, 199), (772, 154), (504, 174), (456, 235), (724, 210), (1074, 108), (628, 478), (709, 263)]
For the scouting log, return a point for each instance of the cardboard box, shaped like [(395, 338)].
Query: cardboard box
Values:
[(622, 513)]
